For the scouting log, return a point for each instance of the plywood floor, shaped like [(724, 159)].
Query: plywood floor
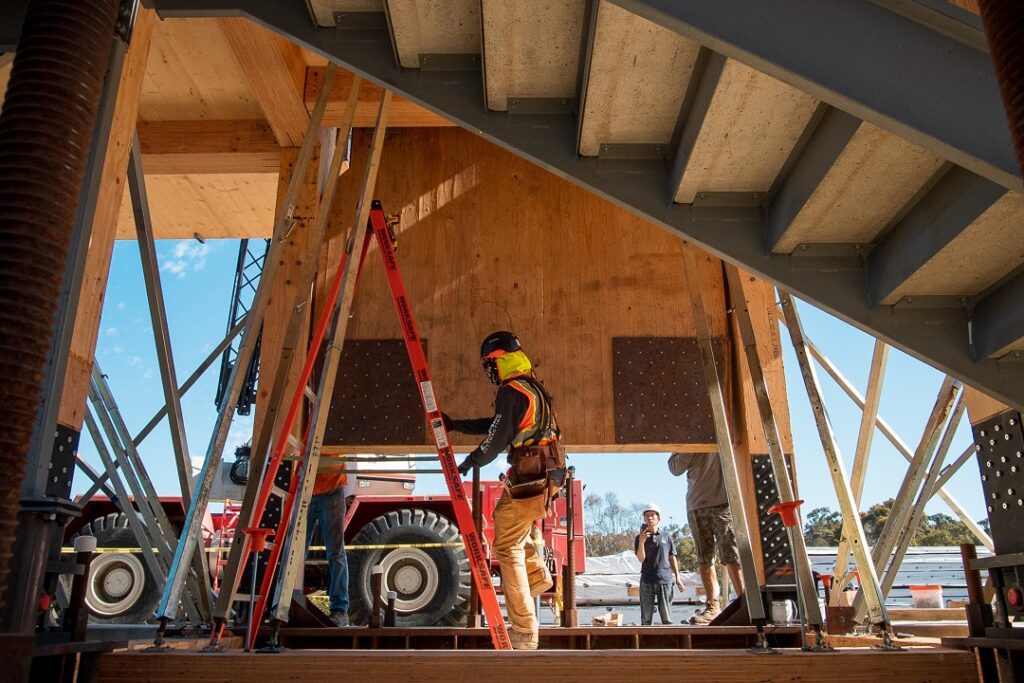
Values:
[(850, 666)]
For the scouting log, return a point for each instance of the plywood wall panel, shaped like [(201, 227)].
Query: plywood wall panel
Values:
[(488, 241)]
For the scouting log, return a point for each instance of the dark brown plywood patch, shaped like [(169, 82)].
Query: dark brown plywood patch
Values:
[(376, 400), (661, 395)]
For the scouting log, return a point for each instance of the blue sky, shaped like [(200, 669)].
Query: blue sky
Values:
[(197, 280)]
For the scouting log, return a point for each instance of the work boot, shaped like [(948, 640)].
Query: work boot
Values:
[(339, 618), (710, 611), (522, 641), (545, 583)]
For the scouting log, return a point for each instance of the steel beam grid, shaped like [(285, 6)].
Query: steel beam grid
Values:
[(830, 49), (248, 270)]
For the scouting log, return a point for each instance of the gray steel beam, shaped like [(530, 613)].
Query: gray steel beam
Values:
[(12, 16), (936, 336), (945, 211), (158, 318), (694, 109), (876, 64), (998, 320), (583, 69), (831, 134)]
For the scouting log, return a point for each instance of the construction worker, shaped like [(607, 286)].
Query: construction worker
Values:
[(524, 422), (656, 551), (327, 510), (707, 509)]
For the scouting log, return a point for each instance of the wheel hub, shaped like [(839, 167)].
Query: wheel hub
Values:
[(413, 575), (116, 583)]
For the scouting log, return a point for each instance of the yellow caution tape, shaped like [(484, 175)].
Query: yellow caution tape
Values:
[(389, 546)]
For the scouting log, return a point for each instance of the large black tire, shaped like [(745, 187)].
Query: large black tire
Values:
[(121, 588), (433, 584)]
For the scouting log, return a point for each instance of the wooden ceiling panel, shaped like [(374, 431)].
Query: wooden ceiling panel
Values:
[(638, 77), (403, 113), (275, 71), (752, 124), (531, 49), (215, 206), (192, 73), (194, 147), (434, 27), (875, 176), (990, 248)]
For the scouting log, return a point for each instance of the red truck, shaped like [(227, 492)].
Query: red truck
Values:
[(424, 561)]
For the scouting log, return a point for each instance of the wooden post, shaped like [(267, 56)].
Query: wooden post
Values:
[(104, 226)]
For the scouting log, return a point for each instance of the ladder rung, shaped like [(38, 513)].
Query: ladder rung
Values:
[(294, 442), (310, 394), (279, 492)]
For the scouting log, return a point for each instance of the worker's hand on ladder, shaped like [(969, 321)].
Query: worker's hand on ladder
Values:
[(465, 466)]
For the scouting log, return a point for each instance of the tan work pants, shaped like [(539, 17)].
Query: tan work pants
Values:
[(521, 565)]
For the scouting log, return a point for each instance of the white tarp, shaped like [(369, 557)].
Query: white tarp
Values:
[(615, 580)]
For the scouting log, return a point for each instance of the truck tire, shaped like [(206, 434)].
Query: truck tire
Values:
[(121, 588), (432, 583)]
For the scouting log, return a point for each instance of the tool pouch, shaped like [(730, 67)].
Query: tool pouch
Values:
[(535, 468)]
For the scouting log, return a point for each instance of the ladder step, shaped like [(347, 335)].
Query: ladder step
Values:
[(310, 394), (294, 442)]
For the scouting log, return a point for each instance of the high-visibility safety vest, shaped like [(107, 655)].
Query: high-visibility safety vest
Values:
[(538, 425)]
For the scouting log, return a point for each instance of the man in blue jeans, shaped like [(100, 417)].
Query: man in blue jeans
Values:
[(656, 551), (327, 510)]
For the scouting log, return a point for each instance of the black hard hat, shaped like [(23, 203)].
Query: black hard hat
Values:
[(499, 341)]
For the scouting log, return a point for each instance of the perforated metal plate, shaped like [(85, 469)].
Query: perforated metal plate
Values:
[(376, 400), (661, 395), (999, 443), (62, 462), (270, 519), (775, 550)]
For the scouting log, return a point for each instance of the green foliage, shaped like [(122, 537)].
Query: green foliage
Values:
[(612, 527), (824, 527)]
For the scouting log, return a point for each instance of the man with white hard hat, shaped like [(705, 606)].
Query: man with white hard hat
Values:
[(659, 573)]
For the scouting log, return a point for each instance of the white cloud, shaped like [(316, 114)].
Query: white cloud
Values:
[(121, 306), (118, 349), (148, 374), (111, 332), (134, 361), (186, 256)]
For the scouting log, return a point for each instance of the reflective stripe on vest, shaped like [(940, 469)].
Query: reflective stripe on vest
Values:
[(527, 426)]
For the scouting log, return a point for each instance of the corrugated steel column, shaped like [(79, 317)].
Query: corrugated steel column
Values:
[(45, 131)]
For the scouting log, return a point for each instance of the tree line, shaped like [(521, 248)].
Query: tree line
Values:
[(611, 526)]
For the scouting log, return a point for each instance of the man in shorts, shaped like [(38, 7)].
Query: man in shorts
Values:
[(707, 509)]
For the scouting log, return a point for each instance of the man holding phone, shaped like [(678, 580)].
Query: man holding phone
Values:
[(659, 573)]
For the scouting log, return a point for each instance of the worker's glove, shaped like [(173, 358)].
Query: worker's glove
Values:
[(466, 466), (450, 424)]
